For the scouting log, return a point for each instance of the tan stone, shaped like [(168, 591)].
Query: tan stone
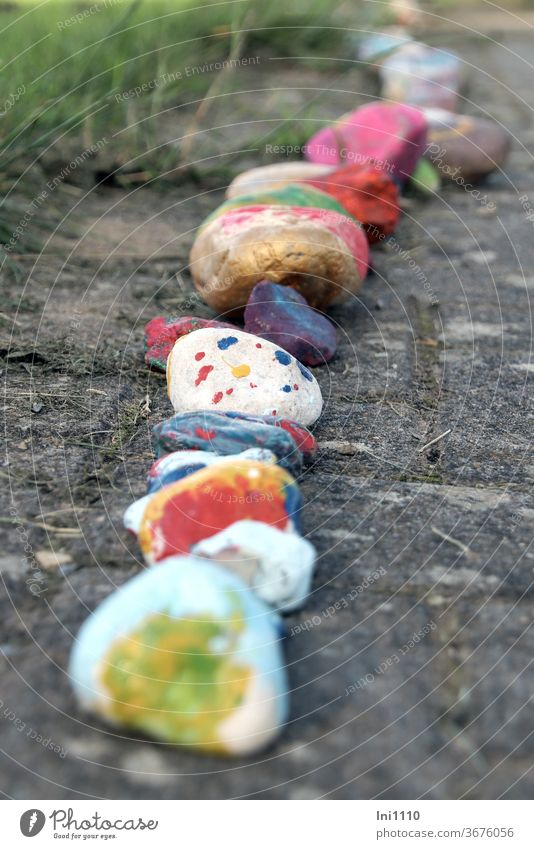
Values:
[(289, 250)]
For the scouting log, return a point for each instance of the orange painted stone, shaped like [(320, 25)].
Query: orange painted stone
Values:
[(199, 506)]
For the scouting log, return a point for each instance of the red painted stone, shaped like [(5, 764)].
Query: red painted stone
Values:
[(161, 333), (368, 193)]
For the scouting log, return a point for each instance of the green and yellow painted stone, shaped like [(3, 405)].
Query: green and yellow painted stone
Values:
[(185, 653), (294, 194)]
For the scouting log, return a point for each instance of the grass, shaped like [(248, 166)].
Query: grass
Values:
[(65, 67), (71, 72)]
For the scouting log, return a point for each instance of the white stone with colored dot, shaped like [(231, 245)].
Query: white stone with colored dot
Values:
[(221, 370)]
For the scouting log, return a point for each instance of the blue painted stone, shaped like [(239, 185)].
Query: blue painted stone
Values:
[(281, 315), (232, 432)]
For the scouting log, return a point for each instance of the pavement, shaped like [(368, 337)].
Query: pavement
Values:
[(410, 666)]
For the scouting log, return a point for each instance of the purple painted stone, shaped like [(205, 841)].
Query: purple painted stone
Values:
[(281, 315)]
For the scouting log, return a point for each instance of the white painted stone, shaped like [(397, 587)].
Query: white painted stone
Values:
[(221, 370), (277, 566)]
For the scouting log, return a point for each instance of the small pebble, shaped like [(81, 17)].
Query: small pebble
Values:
[(53, 561), (185, 653), (277, 566), (215, 369), (282, 316)]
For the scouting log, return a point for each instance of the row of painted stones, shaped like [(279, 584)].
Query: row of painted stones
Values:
[(189, 651)]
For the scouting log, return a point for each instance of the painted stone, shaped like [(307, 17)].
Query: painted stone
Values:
[(291, 194), (306, 442), (269, 177), (178, 465), (425, 178), (173, 467), (185, 653), (133, 515), (277, 566), (463, 147), (320, 253), (185, 512), (230, 433), (421, 75), (282, 316), (215, 369), (407, 13), (368, 193), (161, 333), (392, 135)]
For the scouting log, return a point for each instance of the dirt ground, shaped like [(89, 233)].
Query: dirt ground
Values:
[(413, 683)]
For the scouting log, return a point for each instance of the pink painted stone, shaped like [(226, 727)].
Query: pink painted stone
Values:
[(393, 135)]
